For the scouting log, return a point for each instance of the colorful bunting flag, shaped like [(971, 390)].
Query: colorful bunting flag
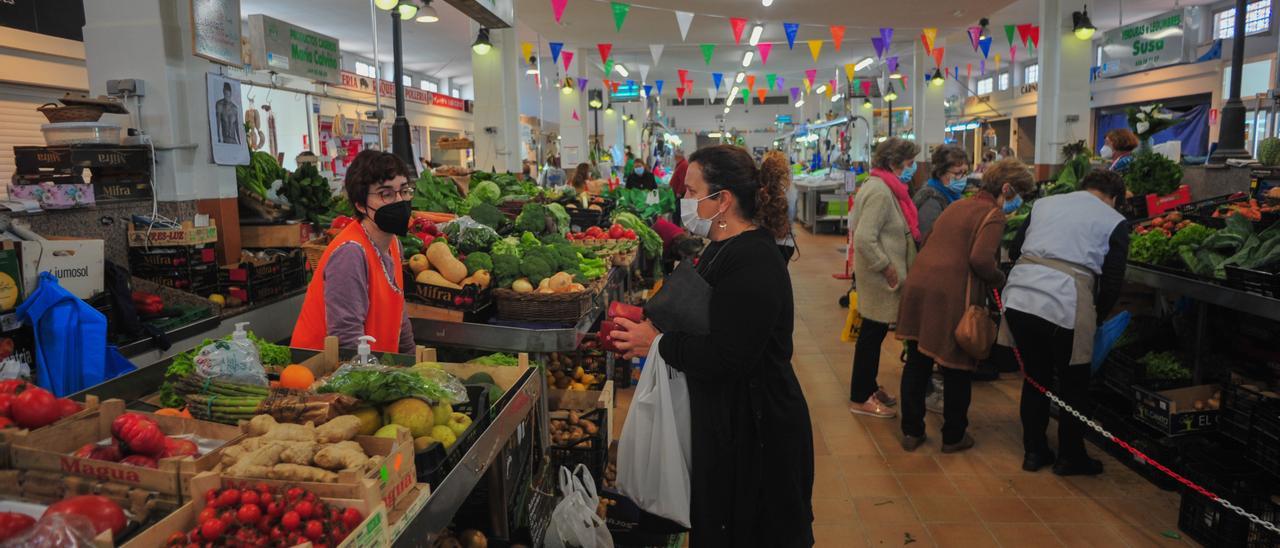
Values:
[(684, 75), (746, 95), (683, 18), (575, 115), (680, 93), (644, 73), (892, 64), (771, 79), (608, 66), (760, 93), (1013, 54), (791, 29), (557, 8), (809, 75), (764, 48), (616, 85), (781, 82), (795, 93), (831, 88), (648, 90), (568, 58), (604, 52), (1024, 33), (866, 88), (886, 36), (937, 56), (878, 43), (656, 51), (717, 77), (739, 24), (997, 60), (1035, 35), (527, 50), (931, 36), (582, 84), (974, 33), (555, 51), (1008, 33), (837, 35), (985, 45), (968, 70), (620, 11), (815, 47), (751, 81), (711, 95), (707, 51), (658, 84), (982, 67), (925, 41)]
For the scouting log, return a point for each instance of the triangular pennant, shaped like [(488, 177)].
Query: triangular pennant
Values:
[(886, 35), (982, 67), (1008, 32), (831, 88), (557, 8), (608, 84), (760, 94), (616, 85), (568, 58), (582, 84), (968, 70), (751, 81), (717, 77), (608, 66), (1024, 33), (555, 51), (644, 73), (892, 64), (1013, 54), (771, 79), (680, 93), (658, 84), (746, 95), (810, 74), (707, 51), (526, 49), (931, 36), (683, 18), (849, 70), (764, 48), (620, 11), (656, 51), (739, 24), (866, 88), (711, 95), (815, 47), (604, 52), (974, 33), (648, 90), (947, 72), (808, 86), (575, 115), (795, 93), (985, 45), (937, 56), (997, 60), (925, 41), (1035, 36), (837, 35), (684, 75), (631, 83), (781, 81), (878, 43), (791, 29)]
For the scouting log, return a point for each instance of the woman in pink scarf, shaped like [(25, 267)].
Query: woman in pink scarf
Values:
[(885, 232)]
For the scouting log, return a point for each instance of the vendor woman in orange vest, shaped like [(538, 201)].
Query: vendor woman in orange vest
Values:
[(357, 285)]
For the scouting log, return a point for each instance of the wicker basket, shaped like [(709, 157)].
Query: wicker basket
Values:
[(548, 308), (78, 113), (314, 250)]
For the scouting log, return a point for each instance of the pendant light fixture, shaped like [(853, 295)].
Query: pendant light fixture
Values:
[(1083, 27), (427, 14), (937, 81), (482, 45), (386, 5), (407, 10), (892, 95)]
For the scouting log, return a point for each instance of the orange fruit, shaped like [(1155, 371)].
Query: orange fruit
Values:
[(297, 377)]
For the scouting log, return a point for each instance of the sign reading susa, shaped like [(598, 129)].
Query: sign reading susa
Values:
[(1160, 41), (288, 49)]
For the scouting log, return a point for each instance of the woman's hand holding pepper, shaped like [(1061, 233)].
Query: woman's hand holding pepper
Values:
[(634, 339)]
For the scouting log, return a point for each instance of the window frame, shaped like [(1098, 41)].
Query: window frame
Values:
[(1027, 74), (1004, 81), (990, 85), (427, 85), (1224, 27), (369, 71), (407, 80)]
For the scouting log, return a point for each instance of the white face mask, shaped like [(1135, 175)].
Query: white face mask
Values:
[(1107, 152), (689, 216)]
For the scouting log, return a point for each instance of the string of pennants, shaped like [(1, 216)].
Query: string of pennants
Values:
[(1026, 35)]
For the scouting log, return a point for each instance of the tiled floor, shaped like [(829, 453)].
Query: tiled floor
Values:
[(868, 492)]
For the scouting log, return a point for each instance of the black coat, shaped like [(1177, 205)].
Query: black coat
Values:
[(642, 182), (752, 474)]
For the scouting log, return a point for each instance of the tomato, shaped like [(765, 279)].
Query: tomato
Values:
[(13, 523), (248, 497), (11, 386), (140, 460), (274, 510), (249, 514), (35, 407), (351, 518), (138, 434), (276, 535), (290, 521), (294, 494), (616, 232), (176, 447), (314, 530), (103, 512), (6, 400), (629, 234), (66, 407), (94, 451), (212, 529), (229, 497), (304, 509), (207, 514)]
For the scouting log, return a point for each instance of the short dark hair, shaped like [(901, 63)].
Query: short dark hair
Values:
[(226, 86), (1009, 171), (893, 151), (369, 169), (1105, 181), (945, 158), (1123, 139)]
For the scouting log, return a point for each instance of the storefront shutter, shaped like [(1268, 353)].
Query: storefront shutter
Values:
[(20, 123)]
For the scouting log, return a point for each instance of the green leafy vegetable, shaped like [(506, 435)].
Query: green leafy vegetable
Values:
[(498, 359), (1191, 235), (1151, 248), (308, 192), (378, 385), (487, 192), (532, 218), (1152, 173), (438, 194), (1164, 366)]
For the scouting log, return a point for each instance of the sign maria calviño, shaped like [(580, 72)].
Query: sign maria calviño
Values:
[(289, 49)]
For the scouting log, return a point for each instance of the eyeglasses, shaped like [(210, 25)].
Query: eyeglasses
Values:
[(389, 195), (960, 173)]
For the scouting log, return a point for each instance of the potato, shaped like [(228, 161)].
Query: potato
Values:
[(522, 285)]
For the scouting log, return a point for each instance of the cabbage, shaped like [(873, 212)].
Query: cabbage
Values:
[(487, 192)]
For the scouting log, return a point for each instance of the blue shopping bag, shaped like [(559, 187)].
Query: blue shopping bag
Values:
[(1106, 336)]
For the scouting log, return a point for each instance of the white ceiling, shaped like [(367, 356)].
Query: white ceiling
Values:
[(441, 49)]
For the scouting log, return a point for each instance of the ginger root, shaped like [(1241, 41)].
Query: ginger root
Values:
[(299, 452), (258, 463), (266, 427), (297, 472), (339, 429), (340, 456)]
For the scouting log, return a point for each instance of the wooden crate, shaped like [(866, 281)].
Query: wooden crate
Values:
[(266, 236), (15, 432), (189, 234), (50, 487), (582, 400)]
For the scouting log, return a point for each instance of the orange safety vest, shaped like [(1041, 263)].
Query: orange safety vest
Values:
[(386, 303)]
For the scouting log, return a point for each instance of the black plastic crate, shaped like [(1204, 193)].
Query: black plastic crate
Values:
[(592, 450), (1122, 371), (246, 270), (1264, 437), (436, 462), (1253, 281), (182, 278), (172, 257), (1224, 474), (1238, 404)]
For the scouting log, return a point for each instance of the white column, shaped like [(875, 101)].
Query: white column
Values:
[(929, 117), (138, 39), (1062, 104), (497, 112)]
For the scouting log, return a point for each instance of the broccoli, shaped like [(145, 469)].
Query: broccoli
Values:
[(478, 261), (532, 218), (536, 268), (507, 246), (566, 256), (561, 217), (506, 268), (488, 215)]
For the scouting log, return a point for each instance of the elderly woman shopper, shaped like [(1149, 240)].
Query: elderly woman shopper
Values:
[(753, 465), (958, 265), (1118, 147), (948, 178), (884, 239), (1069, 267)]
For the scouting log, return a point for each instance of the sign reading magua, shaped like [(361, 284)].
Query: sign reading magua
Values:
[(289, 49), (1160, 41)]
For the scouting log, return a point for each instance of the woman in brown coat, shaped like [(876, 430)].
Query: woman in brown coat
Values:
[(964, 243)]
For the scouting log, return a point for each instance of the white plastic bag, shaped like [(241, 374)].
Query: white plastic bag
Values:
[(574, 522), (654, 452)]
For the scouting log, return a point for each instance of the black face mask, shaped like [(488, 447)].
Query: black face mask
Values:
[(394, 218)]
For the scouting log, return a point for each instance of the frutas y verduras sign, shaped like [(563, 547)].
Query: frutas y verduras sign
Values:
[(1156, 42), (289, 49), (363, 84)]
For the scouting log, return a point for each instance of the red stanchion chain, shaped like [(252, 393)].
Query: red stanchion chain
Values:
[(1126, 446)]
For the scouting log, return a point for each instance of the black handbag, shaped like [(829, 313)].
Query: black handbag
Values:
[(683, 305)]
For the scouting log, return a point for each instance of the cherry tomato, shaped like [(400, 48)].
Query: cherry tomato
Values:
[(212, 529), (249, 514), (290, 521), (314, 530), (304, 509)]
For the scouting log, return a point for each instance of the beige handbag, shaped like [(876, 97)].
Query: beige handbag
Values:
[(976, 331)]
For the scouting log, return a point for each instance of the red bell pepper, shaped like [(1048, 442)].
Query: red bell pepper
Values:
[(618, 309), (147, 304), (341, 222)]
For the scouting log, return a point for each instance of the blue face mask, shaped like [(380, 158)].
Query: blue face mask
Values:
[(1012, 205), (639, 171), (958, 185), (908, 173)]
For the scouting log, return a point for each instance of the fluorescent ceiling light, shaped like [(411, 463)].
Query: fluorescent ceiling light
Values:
[(821, 89), (837, 97), (766, 3), (726, 110), (747, 57), (741, 75), (714, 135), (800, 103), (863, 63), (622, 70), (733, 93), (756, 31)]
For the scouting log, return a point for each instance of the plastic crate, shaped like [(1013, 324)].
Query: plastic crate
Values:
[(172, 257), (1264, 437), (593, 450), (1238, 405), (250, 271), (1253, 281), (189, 278), (1122, 371), (436, 462), (1212, 524)]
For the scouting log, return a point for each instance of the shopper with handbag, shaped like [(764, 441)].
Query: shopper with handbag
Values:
[(885, 232), (752, 458), (1069, 267), (944, 317)]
